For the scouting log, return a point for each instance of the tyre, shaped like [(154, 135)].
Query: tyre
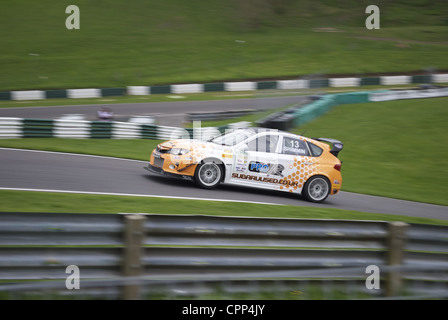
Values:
[(316, 189), (208, 175)]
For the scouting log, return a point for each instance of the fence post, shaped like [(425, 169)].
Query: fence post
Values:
[(132, 257), (396, 244)]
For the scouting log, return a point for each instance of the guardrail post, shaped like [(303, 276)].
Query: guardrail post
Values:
[(132, 257), (395, 256)]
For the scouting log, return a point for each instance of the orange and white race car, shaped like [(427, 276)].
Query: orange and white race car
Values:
[(255, 157)]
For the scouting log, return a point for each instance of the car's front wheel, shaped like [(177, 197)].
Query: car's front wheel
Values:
[(208, 175), (316, 189)]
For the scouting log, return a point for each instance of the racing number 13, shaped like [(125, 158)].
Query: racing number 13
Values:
[(294, 144)]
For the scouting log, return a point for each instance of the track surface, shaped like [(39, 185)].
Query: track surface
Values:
[(163, 109), (57, 171)]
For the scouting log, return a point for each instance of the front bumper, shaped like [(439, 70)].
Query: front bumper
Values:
[(161, 172)]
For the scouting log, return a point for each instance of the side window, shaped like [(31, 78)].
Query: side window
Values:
[(267, 143), (315, 150), (295, 147)]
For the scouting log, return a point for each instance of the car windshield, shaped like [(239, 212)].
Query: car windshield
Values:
[(234, 137)]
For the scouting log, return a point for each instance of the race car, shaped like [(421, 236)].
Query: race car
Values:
[(255, 157)]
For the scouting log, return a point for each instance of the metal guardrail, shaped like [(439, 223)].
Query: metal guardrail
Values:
[(195, 251), (302, 114), (308, 82), (219, 115), (15, 128)]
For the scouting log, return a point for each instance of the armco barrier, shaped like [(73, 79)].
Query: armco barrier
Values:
[(388, 95), (15, 128), (27, 95), (11, 128), (37, 128), (314, 110), (327, 102), (305, 113), (187, 88), (393, 80), (218, 115), (84, 93), (71, 129), (293, 117), (37, 246), (225, 86), (345, 82)]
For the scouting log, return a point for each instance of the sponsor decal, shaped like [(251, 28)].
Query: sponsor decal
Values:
[(259, 167), (277, 170), (294, 150), (241, 161), (240, 168), (274, 169), (264, 179)]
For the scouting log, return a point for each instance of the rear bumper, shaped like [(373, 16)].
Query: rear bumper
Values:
[(336, 185), (161, 172)]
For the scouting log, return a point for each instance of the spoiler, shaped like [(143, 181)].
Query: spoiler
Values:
[(336, 145)]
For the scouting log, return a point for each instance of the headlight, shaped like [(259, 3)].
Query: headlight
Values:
[(179, 152)]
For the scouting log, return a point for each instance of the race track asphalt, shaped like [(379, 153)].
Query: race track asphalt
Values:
[(157, 109), (37, 170)]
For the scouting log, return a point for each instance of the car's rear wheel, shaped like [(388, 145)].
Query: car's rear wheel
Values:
[(208, 175), (316, 189)]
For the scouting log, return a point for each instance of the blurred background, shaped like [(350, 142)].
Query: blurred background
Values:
[(391, 150), (165, 42)]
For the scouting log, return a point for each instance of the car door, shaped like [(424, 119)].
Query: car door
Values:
[(256, 160)]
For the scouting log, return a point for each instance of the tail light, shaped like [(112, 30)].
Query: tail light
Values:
[(338, 166)]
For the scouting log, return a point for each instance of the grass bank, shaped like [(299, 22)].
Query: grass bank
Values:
[(27, 201), (137, 149), (164, 42)]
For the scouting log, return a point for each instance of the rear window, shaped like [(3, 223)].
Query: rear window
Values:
[(315, 150)]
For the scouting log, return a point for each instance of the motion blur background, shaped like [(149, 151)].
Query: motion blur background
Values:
[(139, 42), (391, 149)]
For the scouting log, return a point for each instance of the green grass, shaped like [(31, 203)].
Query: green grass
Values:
[(164, 42), (138, 149), (394, 149), (28, 201)]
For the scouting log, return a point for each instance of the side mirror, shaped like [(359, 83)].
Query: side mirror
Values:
[(244, 148)]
